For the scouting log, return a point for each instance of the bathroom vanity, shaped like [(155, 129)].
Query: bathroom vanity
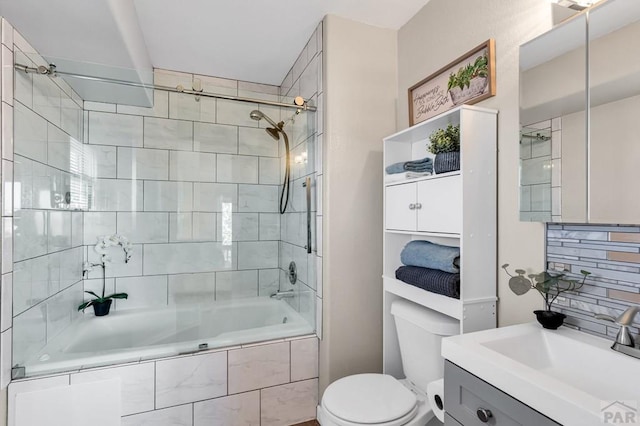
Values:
[(527, 375), (470, 400)]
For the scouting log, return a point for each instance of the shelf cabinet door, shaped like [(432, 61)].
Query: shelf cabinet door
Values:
[(439, 205), (400, 209)]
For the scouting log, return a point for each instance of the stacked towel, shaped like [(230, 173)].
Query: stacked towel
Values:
[(424, 165), (431, 267), (431, 280), (433, 256), (399, 177)]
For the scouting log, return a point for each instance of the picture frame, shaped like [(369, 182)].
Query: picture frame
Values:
[(468, 79)]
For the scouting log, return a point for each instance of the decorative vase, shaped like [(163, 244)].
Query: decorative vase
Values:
[(549, 319), (447, 162), (101, 309)]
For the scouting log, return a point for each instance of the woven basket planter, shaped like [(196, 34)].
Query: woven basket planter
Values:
[(447, 162)]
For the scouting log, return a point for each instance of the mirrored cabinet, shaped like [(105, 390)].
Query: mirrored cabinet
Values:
[(579, 101)]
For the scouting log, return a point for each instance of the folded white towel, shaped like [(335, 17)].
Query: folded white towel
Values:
[(399, 177)]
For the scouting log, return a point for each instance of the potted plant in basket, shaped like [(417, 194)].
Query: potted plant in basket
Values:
[(469, 81), (102, 304), (445, 144), (550, 286)]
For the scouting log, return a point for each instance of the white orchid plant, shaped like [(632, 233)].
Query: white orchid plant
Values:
[(102, 247)]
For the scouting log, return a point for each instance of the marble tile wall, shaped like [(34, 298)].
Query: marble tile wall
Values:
[(193, 183), (612, 254), (274, 384), (45, 203), (306, 132)]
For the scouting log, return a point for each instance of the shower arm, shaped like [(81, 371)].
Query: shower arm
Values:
[(53, 72)]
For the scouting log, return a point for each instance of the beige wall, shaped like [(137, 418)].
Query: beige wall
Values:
[(439, 33), (360, 98)]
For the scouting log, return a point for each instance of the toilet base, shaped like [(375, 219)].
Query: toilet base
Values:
[(424, 416)]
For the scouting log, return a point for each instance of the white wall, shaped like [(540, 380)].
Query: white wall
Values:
[(360, 98), (439, 33)]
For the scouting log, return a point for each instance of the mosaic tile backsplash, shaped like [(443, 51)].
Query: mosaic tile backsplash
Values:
[(612, 254)]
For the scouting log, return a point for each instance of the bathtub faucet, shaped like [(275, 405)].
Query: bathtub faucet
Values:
[(282, 294)]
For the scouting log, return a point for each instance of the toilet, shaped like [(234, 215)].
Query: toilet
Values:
[(382, 400)]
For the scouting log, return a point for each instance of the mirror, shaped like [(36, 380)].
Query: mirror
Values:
[(614, 85), (579, 148), (553, 102)]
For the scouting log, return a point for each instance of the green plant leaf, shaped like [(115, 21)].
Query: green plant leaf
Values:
[(85, 305), (118, 296), (520, 271), (93, 294)]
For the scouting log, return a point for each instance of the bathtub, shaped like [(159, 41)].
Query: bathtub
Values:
[(135, 335)]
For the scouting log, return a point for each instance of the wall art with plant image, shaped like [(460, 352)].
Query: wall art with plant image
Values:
[(467, 80)]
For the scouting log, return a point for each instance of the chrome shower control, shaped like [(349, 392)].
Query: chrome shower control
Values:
[(293, 272)]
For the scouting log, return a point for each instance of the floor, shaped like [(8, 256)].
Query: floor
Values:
[(309, 423)]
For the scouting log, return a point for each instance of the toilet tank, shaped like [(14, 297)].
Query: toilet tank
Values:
[(420, 331)]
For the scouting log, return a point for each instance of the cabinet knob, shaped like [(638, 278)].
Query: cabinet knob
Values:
[(418, 206), (412, 206), (484, 415)]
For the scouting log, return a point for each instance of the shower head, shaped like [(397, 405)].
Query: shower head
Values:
[(274, 133), (259, 115)]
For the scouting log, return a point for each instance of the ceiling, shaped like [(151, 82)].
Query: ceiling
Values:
[(251, 40)]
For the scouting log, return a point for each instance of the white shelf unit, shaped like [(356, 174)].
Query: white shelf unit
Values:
[(456, 209)]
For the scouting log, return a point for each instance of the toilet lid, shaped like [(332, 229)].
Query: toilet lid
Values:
[(368, 398)]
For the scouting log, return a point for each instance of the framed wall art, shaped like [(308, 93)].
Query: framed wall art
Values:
[(467, 80)]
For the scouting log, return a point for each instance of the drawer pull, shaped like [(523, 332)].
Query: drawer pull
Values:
[(484, 415), (412, 206), (418, 206)]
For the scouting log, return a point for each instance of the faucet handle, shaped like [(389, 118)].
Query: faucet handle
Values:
[(605, 317), (627, 317)]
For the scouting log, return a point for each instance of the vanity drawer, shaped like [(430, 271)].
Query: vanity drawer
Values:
[(465, 394)]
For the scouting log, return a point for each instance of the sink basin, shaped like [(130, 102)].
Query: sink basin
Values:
[(565, 374)]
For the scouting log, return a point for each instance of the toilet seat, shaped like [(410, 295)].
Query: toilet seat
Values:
[(369, 399)]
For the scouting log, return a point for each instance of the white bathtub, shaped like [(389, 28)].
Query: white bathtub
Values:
[(134, 335)]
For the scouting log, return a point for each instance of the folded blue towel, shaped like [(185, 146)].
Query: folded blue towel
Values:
[(431, 280), (395, 168), (422, 165), (433, 256)]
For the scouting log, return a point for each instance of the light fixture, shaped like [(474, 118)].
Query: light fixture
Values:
[(575, 4)]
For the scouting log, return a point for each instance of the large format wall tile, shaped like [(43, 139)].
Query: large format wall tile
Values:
[(304, 359), (137, 383), (258, 198), (30, 134), (144, 292), (192, 166), (237, 168), (138, 163), (258, 367), (192, 289), (168, 196), (168, 134), (289, 404), (115, 129), (235, 410), (236, 284), (218, 138), (215, 197), (191, 379), (144, 227), (182, 258), (257, 254), (117, 195), (257, 142), (174, 416)]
